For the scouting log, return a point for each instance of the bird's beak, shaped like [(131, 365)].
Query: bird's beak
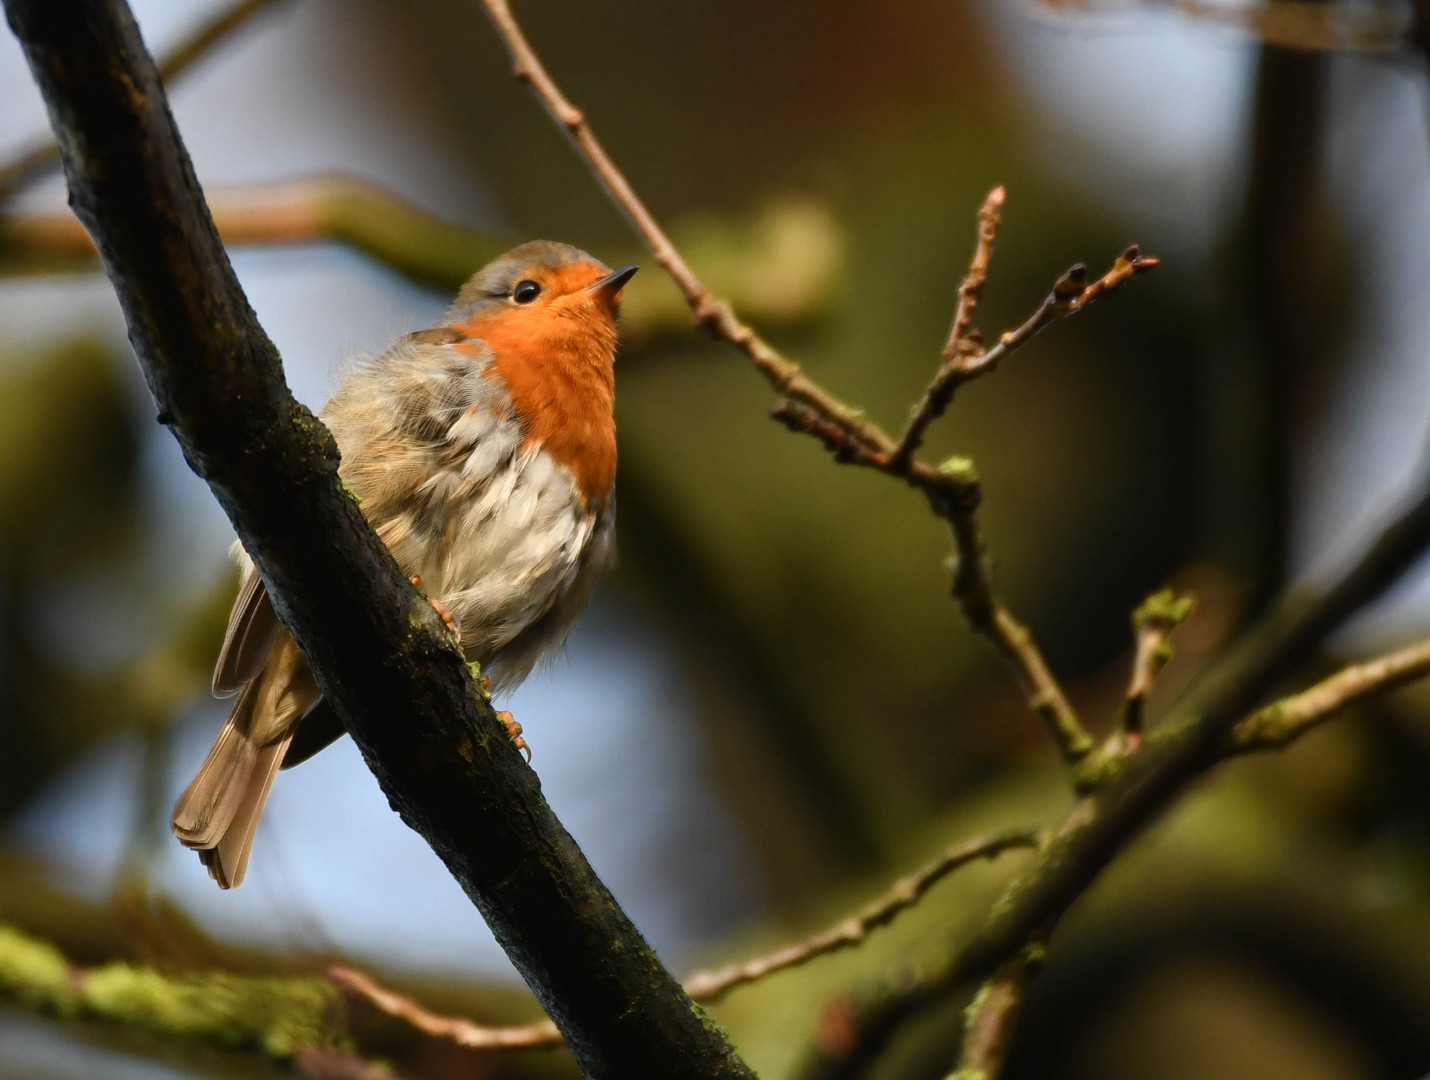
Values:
[(609, 287)]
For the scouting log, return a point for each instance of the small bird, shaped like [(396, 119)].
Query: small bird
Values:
[(483, 452)]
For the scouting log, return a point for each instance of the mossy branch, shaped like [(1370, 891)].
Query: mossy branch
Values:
[(278, 1016)]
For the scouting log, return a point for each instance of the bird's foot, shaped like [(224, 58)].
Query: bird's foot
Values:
[(448, 616), (513, 732)]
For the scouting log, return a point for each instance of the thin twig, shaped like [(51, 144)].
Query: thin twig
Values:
[(964, 361), (807, 407), (1284, 721), (1153, 621), (905, 893), (960, 343), (705, 986), (454, 1029), (977, 598), (1071, 293), (43, 157)]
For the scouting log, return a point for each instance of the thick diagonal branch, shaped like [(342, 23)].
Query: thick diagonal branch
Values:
[(376, 646)]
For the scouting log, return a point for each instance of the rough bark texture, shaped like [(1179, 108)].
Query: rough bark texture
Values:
[(379, 651)]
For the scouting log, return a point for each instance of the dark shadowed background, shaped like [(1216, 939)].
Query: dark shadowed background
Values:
[(773, 707)]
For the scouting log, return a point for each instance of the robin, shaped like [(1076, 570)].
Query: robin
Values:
[(483, 451)]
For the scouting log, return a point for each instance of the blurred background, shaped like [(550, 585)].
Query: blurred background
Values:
[(773, 707)]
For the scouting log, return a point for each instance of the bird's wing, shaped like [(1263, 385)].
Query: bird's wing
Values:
[(252, 629)]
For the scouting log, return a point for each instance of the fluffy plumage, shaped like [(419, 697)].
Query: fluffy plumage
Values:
[(484, 454)]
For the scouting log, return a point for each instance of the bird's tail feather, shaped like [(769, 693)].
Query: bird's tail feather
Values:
[(218, 812), (227, 860)]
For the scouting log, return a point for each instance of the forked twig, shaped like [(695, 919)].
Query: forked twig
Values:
[(960, 341)]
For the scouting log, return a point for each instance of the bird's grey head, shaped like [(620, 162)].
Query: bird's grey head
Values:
[(536, 273)]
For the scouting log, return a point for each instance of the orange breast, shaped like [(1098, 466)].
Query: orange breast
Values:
[(560, 372)]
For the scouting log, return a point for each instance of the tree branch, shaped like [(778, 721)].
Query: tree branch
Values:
[(43, 157), (704, 986), (1283, 722), (541, 1035), (377, 648), (712, 314)]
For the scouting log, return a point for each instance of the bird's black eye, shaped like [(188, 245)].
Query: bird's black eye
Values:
[(525, 292)]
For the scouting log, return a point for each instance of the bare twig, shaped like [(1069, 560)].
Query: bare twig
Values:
[(704, 986), (960, 343), (1284, 721), (977, 599), (43, 157), (1153, 621), (1296, 24), (453, 1029), (1071, 293)]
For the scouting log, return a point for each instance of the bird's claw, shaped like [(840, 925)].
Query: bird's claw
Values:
[(513, 732), (453, 626)]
